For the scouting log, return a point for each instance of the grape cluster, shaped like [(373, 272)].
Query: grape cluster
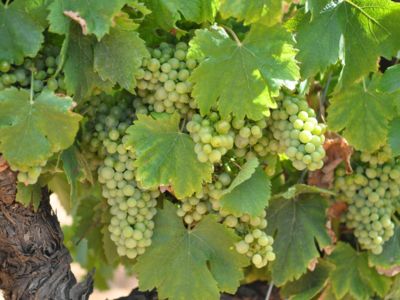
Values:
[(162, 81), (194, 208), (132, 207), (379, 157), (250, 138), (43, 66), (28, 175), (256, 244), (372, 194), (296, 132), (213, 137)]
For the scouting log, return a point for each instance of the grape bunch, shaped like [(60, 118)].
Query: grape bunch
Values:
[(295, 131), (256, 244), (213, 136), (162, 81), (250, 138), (43, 66), (372, 194), (194, 208), (379, 157), (132, 207)]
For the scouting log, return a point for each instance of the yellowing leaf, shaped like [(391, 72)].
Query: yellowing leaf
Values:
[(194, 264), (166, 156), (296, 225), (252, 11), (353, 276), (30, 132), (241, 78)]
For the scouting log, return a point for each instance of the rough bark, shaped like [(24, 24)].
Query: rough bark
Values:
[(34, 263)]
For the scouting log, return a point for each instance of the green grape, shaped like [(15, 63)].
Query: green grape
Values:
[(163, 81), (294, 130), (212, 136), (370, 200)]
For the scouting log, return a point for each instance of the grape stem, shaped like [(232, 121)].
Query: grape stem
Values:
[(322, 99), (396, 220), (233, 34), (31, 91), (364, 85), (269, 292), (6, 4)]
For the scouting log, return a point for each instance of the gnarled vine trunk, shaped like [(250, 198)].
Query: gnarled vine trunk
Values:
[(34, 263)]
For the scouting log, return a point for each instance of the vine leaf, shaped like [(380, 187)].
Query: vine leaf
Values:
[(310, 284), (360, 31), (366, 124), (80, 77), (390, 255), (301, 188), (394, 137), (265, 11), (296, 225), (390, 82), (20, 34), (249, 192), (94, 16), (165, 13), (59, 185), (30, 132), (191, 264), (27, 195), (353, 276), (119, 55), (242, 77), (166, 156)]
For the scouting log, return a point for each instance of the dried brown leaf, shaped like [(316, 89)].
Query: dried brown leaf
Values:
[(77, 18), (337, 151)]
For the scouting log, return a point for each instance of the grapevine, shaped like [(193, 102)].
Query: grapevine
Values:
[(201, 145)]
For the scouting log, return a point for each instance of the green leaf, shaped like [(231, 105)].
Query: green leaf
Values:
[(366, 124), (30, 132), (36, 9), (357, 32), (119, 55), (75, 169), (391, 253), (309, 285), (95, 16), (353, 276), (191, 264), (241, 78), (390, 80), (394, 292), (20, 34), (59, 185), (296, 225), (394, 136), (166, 156), (301, 188), (252, 11), (165, 13), (249, 192), (29, 195), (80, 77)]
